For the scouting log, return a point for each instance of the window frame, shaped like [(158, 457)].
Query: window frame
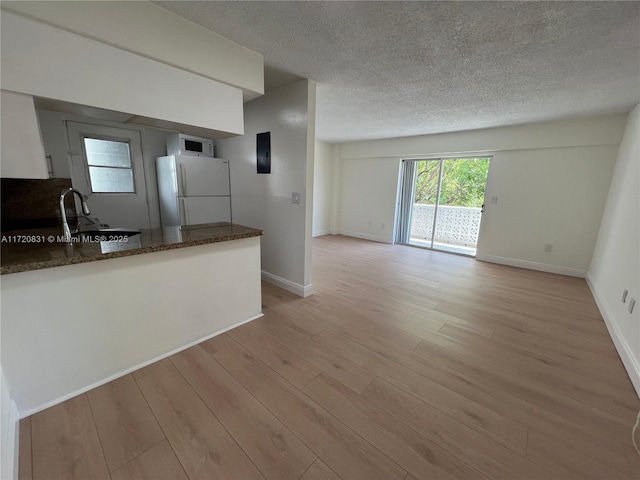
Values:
[(87, 166)]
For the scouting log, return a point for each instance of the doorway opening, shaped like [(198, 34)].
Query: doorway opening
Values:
[(441, 203)]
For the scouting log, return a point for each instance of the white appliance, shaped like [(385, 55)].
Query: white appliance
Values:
[(193, 190), (181, 144)]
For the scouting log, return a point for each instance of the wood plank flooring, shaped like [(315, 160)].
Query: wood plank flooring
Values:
[(405, 364)]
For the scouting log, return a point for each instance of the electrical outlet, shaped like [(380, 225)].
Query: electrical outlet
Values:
[(624, 295), (547, 247), (295, 197), (632, 303), (494, 200)]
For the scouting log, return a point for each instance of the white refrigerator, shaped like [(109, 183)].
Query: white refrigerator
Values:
[(193, 190)]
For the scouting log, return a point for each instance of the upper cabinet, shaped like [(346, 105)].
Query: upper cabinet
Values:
[(22, 150)]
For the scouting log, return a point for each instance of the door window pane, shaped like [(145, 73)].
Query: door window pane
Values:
[(111, 180), (109, 165), (107, 153)]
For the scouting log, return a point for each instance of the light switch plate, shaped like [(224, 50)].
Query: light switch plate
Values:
[(295, 197), (494, 200)]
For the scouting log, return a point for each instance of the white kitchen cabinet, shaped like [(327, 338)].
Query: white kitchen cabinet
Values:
[(22, 154)]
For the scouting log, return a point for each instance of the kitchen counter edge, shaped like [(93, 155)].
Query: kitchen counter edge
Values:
[(152, 240)]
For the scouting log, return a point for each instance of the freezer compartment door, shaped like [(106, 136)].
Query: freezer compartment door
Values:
[(201, 177), (195, 210)]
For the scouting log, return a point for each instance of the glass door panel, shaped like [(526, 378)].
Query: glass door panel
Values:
[(440, 203), (459, 206), (424, 202)]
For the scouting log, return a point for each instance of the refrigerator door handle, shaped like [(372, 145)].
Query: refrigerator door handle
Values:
[(183, 179), (185, 211)]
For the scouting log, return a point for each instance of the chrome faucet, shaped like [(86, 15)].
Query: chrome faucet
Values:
[(66, 232)]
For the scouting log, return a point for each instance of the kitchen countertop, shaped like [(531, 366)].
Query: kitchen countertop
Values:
[(39, 248)]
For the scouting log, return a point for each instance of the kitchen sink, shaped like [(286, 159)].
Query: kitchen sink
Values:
[(109, 234)]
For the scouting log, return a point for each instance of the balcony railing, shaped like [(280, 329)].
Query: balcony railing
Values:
[(456, 226)]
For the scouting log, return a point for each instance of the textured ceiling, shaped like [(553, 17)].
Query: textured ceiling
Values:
[(388, 69)]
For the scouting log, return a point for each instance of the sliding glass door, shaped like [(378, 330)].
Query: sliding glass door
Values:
[(441, 202)]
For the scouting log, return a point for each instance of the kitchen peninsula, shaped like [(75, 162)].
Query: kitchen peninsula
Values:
[(40, 248), (93, 311)]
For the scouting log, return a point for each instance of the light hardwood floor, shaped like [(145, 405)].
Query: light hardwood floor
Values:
[(404, 364)]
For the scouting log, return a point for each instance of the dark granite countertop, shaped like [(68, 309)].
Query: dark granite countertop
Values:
[(38, 248)]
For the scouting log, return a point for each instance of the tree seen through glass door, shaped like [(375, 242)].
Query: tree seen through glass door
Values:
[(463, 181), (455, 213)]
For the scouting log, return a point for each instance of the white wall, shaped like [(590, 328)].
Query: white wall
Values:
[(368, 197), (264, 201), (95, 321), (151, 31), (599, 130), (336, 197), (309, 176), (616, 258), (45, 61), (546, 196), (9, 432), (323, 188), (551, 181)]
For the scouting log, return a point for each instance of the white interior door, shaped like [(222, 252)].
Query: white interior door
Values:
[(107, 166)]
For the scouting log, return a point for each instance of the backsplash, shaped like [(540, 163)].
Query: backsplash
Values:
[(33, 203)]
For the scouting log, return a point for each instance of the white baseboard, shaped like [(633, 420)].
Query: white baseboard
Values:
[(10, 442), (320, 233), (628, 360), (132, 369), (288, 285), (366, 236), (542, 267)]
